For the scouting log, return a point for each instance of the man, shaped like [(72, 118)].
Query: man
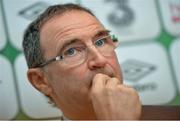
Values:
[(71, 59)]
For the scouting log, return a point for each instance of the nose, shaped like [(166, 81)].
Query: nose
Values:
[(95, 59)]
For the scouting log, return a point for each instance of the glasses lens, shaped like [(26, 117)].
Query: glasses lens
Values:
[(105, 46), (77, 55), (76, 59)]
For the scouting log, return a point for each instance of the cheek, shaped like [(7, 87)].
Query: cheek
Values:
[(70, 85), (114, 62), (80, 79), (69, 81), (115, 65), (81, 76)]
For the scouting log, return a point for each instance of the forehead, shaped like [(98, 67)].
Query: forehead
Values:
[(73, 19), (66, 26)]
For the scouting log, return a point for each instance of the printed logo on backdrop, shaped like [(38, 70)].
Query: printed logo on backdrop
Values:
[(170, 10), (19, 13), (135, 70), (130, 20), (175, 12), (122, 15), (31, 12), (146, 68)]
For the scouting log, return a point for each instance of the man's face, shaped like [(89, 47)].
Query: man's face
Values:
[(72, 84)]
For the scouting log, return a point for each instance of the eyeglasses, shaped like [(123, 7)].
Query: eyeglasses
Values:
[(76, 54)]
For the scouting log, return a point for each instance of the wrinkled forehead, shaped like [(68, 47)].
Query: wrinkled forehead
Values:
[(69, 19), (70, 24)]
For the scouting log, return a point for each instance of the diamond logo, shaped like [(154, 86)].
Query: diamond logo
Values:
[(134, 70), (32, 11)]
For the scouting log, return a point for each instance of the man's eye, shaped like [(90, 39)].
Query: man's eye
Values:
[(100, 42), (70, 52)]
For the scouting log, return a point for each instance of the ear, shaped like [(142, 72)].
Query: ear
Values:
[(39, 81)]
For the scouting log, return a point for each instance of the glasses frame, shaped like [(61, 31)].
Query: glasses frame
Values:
[(59, 57)]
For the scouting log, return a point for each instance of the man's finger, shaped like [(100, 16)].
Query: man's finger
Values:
[(113, 82), (99, 80)]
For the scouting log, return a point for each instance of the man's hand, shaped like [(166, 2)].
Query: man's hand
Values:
[(113, 100)]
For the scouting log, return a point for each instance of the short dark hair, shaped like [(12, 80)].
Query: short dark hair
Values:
[(31, 40)]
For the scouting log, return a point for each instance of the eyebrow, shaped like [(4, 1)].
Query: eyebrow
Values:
[(67, 43), (101, 33)]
